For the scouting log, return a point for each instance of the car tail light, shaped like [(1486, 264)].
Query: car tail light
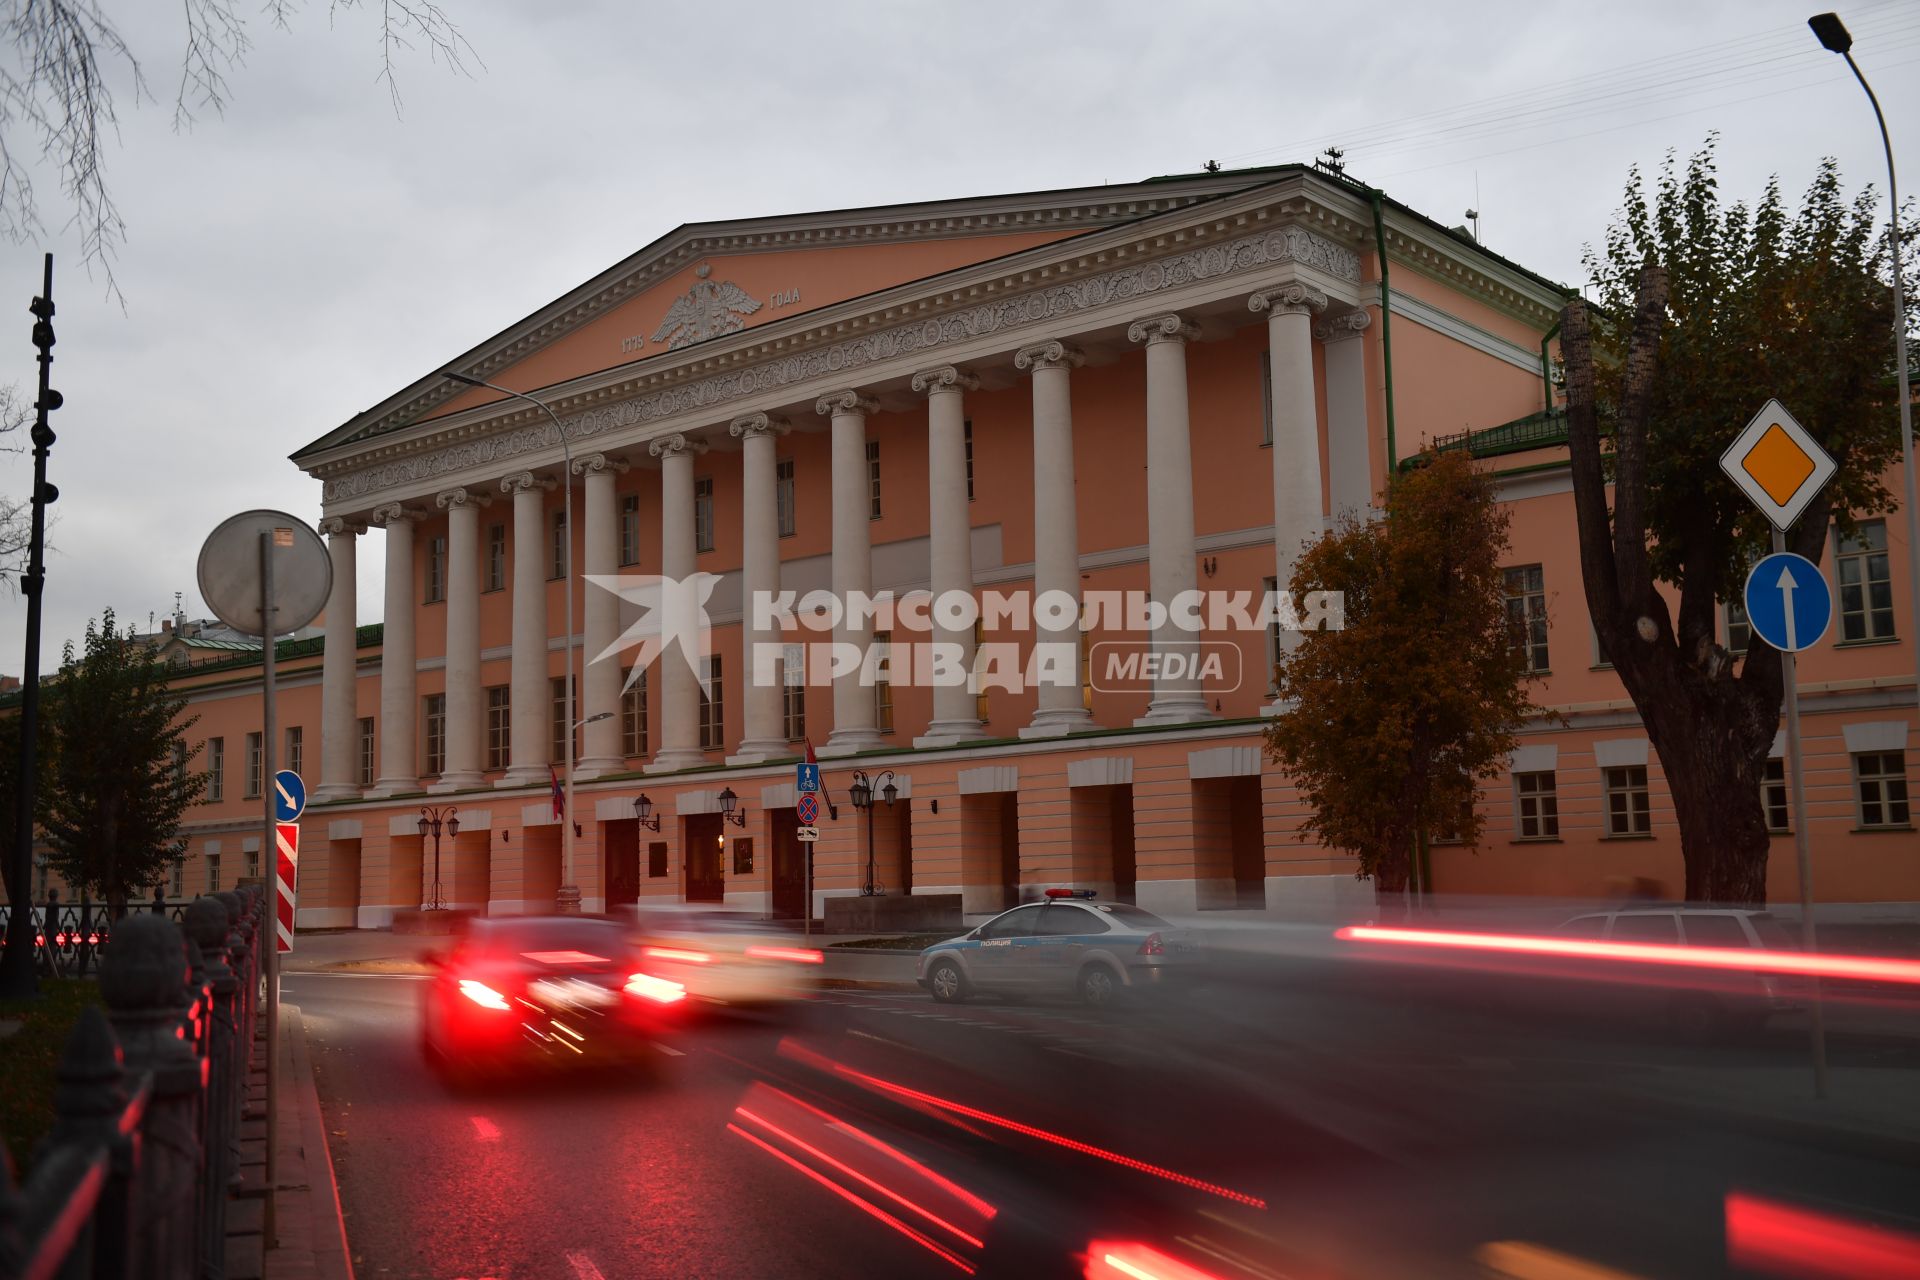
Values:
[(482, 994), (799, 955), (659, 990), (682, 955), (1152, 946)]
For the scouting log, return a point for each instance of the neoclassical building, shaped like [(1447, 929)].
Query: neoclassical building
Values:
[(1122, 392)]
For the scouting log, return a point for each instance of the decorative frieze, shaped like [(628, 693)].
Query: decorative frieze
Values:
[(1042, 307)]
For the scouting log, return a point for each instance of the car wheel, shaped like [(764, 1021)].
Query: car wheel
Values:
[(947, 983), (1099, 989)]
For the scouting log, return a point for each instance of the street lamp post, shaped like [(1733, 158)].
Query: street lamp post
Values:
[(431, 820), (1834, 36), (568, 900), (861, 792)]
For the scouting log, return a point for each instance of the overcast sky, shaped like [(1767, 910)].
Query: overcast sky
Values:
[(298, 260)]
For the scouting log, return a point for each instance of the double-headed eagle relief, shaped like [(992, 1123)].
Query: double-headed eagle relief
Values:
[(709, 309)]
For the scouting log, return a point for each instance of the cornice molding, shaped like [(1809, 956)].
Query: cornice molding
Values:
[(1025, 310)]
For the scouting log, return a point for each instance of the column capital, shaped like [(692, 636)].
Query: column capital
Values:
[(943, 378), (1168, 328), (395, 513), (847, 401), (340, 526), (523, 481), (1348, 324), (1289, 300), (451, 498), (676, 445), (1048, 355), (594, 463), (758, 424)]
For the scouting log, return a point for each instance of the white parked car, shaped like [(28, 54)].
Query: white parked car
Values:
[(724, 956), (1704, 1004)]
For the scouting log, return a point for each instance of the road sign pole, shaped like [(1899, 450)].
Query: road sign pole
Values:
[(269, 849), (1796, 779)]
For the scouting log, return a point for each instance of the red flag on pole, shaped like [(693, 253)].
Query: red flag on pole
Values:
[(810, 755), (559, 796)]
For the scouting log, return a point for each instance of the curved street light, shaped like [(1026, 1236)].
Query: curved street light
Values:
[(431, 821)]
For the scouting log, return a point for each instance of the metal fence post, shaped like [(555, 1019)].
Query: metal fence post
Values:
[(85, 947), (89, 1105), (209, 925), (143, 980)]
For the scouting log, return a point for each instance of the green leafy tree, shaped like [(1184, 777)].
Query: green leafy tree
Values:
[(116, 773), (1396, 717), (1716, 308)]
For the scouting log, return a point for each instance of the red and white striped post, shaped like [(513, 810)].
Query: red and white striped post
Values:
[(286, 881)]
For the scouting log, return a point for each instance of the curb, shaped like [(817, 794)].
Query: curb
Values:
[(310, 1229)]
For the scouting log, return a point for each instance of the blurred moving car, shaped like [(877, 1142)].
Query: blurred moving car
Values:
[(520, 989), (1068, 944), (725, 957), (1714, 1003)]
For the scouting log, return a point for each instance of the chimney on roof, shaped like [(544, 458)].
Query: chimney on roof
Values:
[(166, 626)]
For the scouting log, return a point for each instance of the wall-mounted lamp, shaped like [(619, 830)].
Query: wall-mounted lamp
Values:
[(643, 813), (1209, 564), (729, 802)]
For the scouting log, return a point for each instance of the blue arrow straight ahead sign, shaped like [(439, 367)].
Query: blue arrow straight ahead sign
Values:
[(289, 796), (1788, 602), (808, 778)]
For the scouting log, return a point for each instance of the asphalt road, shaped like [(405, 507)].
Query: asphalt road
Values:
[(1302, 1117)]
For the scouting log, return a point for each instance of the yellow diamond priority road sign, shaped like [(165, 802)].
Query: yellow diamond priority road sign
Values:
[(1777, 464)]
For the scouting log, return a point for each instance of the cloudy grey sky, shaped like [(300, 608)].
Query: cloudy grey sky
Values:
[(300, 259)]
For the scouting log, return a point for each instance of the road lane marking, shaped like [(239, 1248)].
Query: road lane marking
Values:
[(583, 1267), (487, 1130), (346, 973)]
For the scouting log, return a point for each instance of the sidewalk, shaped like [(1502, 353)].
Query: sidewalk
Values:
[(310, 1236)]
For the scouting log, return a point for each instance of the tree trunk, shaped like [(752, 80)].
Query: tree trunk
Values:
[(1714, 775)]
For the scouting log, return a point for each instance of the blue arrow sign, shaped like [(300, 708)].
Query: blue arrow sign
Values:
[(1789, 602), (808, 778), (289, 796)]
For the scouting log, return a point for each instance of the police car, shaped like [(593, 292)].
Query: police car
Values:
[(1068, 944)]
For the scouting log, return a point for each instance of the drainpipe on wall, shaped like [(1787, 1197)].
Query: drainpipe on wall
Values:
[(1386, 325), (1546, 369)]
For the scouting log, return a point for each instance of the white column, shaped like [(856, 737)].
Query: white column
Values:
[(463, 639), (1056, 542), (530, 724), (399, 716), (1350, 483), (1177, 697), (679, 683), (600, 682), (1298, 511), (764, 737), (950, 526), (853, 722), (339, 672)]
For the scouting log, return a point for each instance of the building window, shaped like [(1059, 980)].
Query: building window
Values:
[(966, 435), (436, 727), (256, 762), (742, 855), (1274, 650), (713, 707), (436, 569), (1627, 813), (1600, 660), (295, 753), (633, 715), (216, 770), (499, 724), (980, 705), (873, 479), (1739, 627), (496, 557), (630, 529), (1527, 614), (253, 864), (177, 881), (882, 681), (213, 873), (559, 686), (1538, 800), (703, 514), (559, 566), (366, 751), (657, 859), (1266, 398), (1866, 584), (783, 496), (793, 691), (1880, 778), (1773, 796)]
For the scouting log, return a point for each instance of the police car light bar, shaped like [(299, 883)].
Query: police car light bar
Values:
[(1070, 893)]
